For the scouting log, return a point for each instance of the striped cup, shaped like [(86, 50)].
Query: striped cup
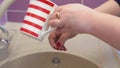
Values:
[(35, 21)]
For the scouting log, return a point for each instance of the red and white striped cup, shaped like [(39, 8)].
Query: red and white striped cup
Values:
[(36, 19)]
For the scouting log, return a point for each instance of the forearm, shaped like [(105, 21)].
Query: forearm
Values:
[(107, 28), (110, 7)]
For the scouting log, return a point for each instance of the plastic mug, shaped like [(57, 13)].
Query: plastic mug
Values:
[(36, 19)]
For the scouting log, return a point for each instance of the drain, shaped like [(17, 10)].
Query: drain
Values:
[(56, 61), (3, 43)]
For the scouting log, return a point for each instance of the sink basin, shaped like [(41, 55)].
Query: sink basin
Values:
[(50, 60), (83, 51)]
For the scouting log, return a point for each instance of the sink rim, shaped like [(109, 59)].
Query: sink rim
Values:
[(52, 53)]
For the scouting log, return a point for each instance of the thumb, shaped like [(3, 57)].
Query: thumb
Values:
[(54, 23)]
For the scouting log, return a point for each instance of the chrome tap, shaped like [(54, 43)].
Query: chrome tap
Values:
[(3, 29), (4, 34), (3, 37), (4, 43), (4, 6)]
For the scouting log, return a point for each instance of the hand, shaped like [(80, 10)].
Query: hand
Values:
[(57, 39), (74, 18), (69, 20)]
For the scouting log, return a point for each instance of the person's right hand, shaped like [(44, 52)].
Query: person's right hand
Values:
[(73, 18), (70, 20), (57, 40)]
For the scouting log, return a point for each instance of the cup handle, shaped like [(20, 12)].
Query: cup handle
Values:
[(45, 31)]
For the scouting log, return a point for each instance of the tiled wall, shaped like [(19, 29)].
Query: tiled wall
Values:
[(17, 11), (4, 18), (93, 3)]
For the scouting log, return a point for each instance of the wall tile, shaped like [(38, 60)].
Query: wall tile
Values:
[(19, 5), (4, 17), (93, 3), (62, 2), (1, 1), (16, 16), (16, 11)]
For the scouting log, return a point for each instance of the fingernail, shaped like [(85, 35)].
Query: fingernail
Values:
[(58, 44)]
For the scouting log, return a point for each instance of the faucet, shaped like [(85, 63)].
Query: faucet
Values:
[(3, 32), (4, 6)]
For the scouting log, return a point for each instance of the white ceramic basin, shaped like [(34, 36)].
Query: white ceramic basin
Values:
[(50, 60)]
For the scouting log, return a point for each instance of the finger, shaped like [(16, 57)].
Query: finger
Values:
[(53, 15), (58, 9), (60, 46), (61, 41), (54, 23), (62, 29), (51, 39)]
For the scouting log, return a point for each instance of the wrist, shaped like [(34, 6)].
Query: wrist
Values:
[(97, 22), (89, 22)]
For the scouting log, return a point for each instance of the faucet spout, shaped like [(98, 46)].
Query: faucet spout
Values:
[(4, 6), (3, 29)]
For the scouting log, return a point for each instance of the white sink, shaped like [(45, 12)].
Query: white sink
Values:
[(50, 60)]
